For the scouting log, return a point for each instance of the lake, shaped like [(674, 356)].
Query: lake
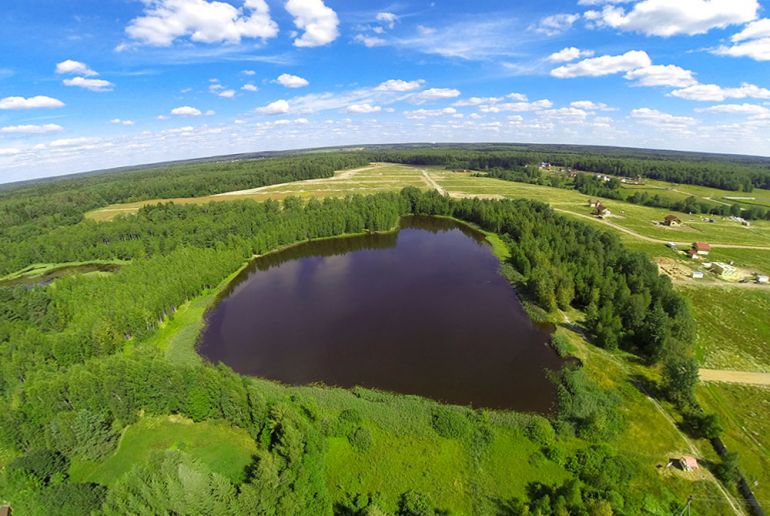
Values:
[(421, 311)]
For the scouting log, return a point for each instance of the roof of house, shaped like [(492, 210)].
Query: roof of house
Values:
[(671, 217), (690, 461), (702, 246), (5, 510)]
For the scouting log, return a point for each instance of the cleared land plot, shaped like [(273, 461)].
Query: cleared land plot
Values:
[(742, 377), (380, 177), (733, 330), (224, 449), (744, 411)]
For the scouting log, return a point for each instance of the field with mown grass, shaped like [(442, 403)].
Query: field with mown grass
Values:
[(224, 449)]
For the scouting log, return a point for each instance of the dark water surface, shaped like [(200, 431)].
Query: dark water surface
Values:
[(422, 311)]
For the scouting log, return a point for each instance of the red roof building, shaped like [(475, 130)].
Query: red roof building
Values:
[(701, 247)]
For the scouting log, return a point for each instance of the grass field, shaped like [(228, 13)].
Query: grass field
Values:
[(744, 414), (733, 330), (222, 448)]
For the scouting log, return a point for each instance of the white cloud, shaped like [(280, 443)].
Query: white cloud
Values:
[(588, 105), (388, 19), (228, 94), (668, 18), (249, 72), (186, 111), (604, 65), (318, 22), (9, 151), (31, 129), (434, 94), (569, 54), (89, 84), (662, 75), (419, 114), (278, 107), (399, 85), (205, 22), (118, 121), (556, 23), (74, 67), (291, 81), (477, 101), (662, 120), (753, 41), (744, 109), (716, 93), (39, 101), (517, 106), (73, 142), (363, 108), (249, 87), (370, 41)]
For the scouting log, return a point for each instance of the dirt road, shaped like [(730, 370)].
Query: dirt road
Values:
[(432, 182), (744, 377)]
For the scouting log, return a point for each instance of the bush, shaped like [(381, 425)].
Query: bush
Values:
[(361, 439), (727, 469), (541, 431), (41, 464), (561, 345), (413, 503), (72, 499), (700, 424), (450, 423)]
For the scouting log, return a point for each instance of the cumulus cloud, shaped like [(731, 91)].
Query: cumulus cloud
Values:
[(369, 41), (228, 94), (9, 151), (119, 121), (742, 109), (318, 22), (399, 85), (753, 42), (39, 101), (387, 18), (291, 81), (662, 75), (666, 18), (31, 129), (569, 54), (604, 65), (89, 84), (278, 107), (556, 23), (588, 105), (418, 114), (517, 106), (434, 94), (202, 21), (662, 120), (716, 93), (249, 87), (74, 67), (363, 108), (186, 111)]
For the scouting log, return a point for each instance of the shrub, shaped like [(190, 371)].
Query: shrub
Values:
[(541, 431), (413, 503), (361, 439), (450, 423), (561, 345), (41, 464)]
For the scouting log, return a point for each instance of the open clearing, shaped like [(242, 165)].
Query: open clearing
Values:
[(716, 375)]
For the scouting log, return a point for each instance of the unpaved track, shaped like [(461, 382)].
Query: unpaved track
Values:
[(726, 376), (718, 284), (432, 182)]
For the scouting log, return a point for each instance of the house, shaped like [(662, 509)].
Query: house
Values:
[(702, 248), (672, 221), (697, 275), (692, 253), (601, 210), (688, 463), (593, 202), (761, 278), (724, 270), (5, 510)]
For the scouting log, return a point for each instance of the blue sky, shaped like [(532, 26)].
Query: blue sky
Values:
[(92, 84)]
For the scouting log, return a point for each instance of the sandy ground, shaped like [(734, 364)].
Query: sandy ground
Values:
[(717, 375), (432, 183)]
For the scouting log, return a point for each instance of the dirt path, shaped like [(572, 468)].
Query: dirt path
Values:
[(718, 284), (432, 183), (743, 377)]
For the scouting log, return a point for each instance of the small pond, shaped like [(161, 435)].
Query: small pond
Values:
[(420, 311)]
